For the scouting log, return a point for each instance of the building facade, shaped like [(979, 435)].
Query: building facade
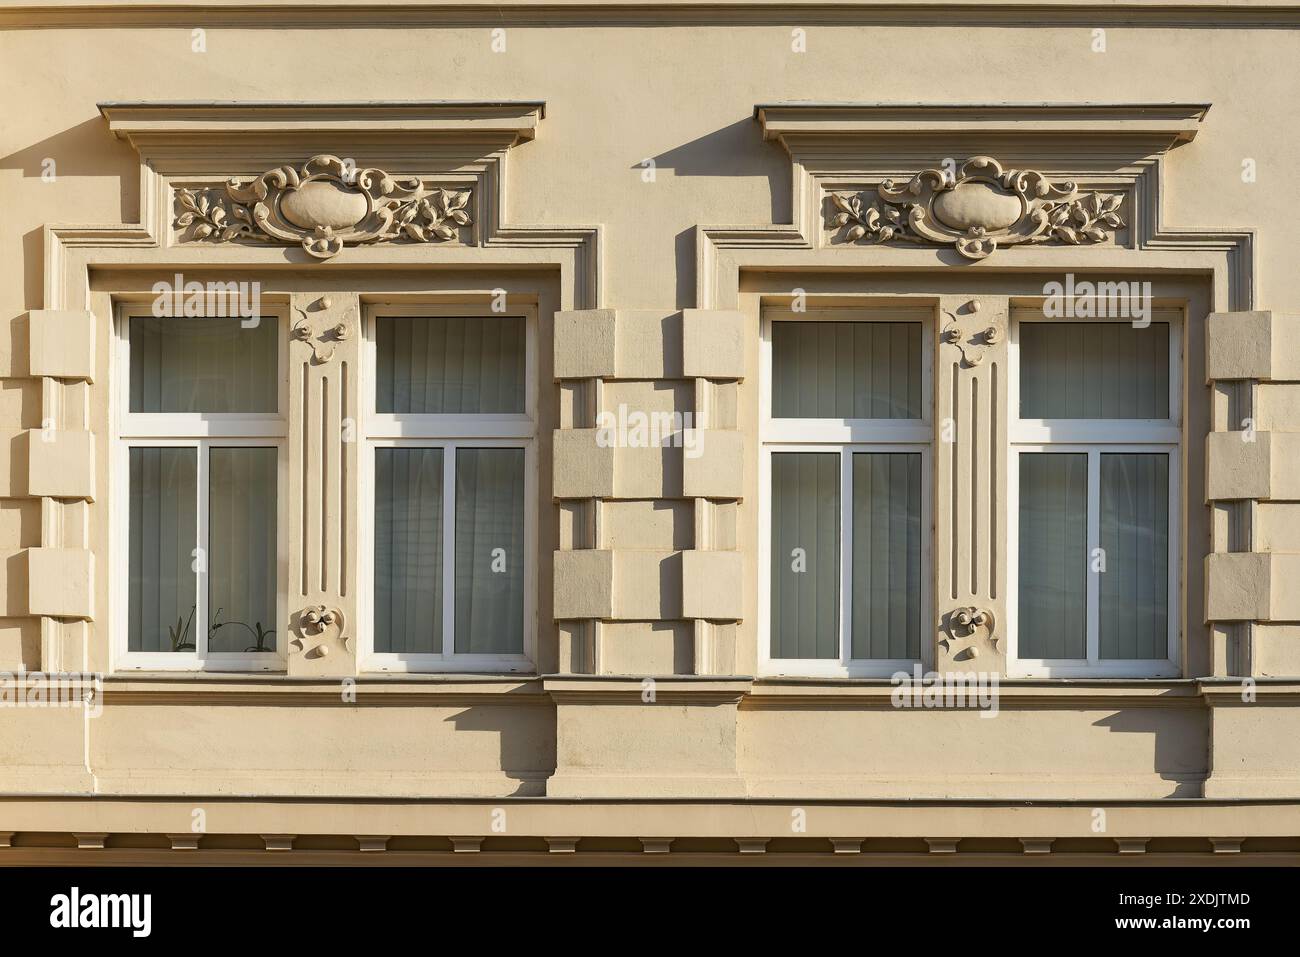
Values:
[(643, 432)]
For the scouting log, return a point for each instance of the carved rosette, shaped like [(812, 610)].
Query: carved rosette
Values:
[(323, 205), (977, 209)]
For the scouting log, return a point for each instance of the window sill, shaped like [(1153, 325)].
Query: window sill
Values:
[(364, 689), (1070, 692)]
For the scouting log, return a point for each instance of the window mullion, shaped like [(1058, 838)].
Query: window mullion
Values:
[(201, 579), (1096, 559), (449, 549), (846, 555)]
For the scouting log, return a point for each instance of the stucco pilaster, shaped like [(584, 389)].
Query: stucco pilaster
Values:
[(324, 356), (970, 436)]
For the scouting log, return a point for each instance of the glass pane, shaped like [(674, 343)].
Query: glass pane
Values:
[(203, 365), (242, 566), (805, 555), (1135, 540), (490, 551), (886, 555), (408, 550), (1094, 370), (445, 365), (1053, 555), (163, 520), (846, 370)]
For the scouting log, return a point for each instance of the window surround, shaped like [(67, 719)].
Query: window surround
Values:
[(845, 436), (449, 432), (202, 431), (1093, 437)]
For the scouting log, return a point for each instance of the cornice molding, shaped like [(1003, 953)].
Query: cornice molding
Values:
[(160, 128), (1160, 123), (144, 121), (421, 14)]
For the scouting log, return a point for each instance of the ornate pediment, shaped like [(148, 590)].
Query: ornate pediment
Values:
[(915, 183), (328, 177), (323, 205), (977, 207)]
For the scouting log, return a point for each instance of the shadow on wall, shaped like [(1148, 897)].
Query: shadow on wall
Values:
[(85, 150), (527, 745), (735, 150), (1181, 752)]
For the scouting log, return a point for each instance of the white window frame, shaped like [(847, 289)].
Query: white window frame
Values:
[(846, 437), (202, 431), (1095, 437), (449, 433)]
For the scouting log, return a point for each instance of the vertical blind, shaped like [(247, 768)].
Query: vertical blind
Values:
[(846, 370), (408, 550), (1134, 614), (203, 365), (805, 555), (163, 532), (886, 572), (489, 551), (1094, 370), (450, 365), (886, 555), (1053, 555), (241, 559), (242, 564)]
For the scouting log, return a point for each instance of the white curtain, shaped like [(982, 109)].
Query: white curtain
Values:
[(1094, 370), (1135, 540), (1053, 555), (489, 551), (163, 532), (203, 365), (408, 550), (805, 555), (242, 579), (886, 555), (846, 370), (445, 365)]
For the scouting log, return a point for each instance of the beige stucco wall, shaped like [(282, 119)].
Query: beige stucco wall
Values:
[(647, 561)]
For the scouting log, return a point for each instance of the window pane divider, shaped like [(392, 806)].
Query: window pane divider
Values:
[(846, 556), (846, 431), (201, 579), (450, 426), (1092, 606), (449, 549)]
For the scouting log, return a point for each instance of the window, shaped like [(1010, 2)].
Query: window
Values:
[(200, 457), (1094, 496), (450, 451), (845, 429)]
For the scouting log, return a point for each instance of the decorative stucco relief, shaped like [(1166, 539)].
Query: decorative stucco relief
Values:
[(969, 334), (324, 340), (323, 205), (977, 208), (963, 629), (318, 629)]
